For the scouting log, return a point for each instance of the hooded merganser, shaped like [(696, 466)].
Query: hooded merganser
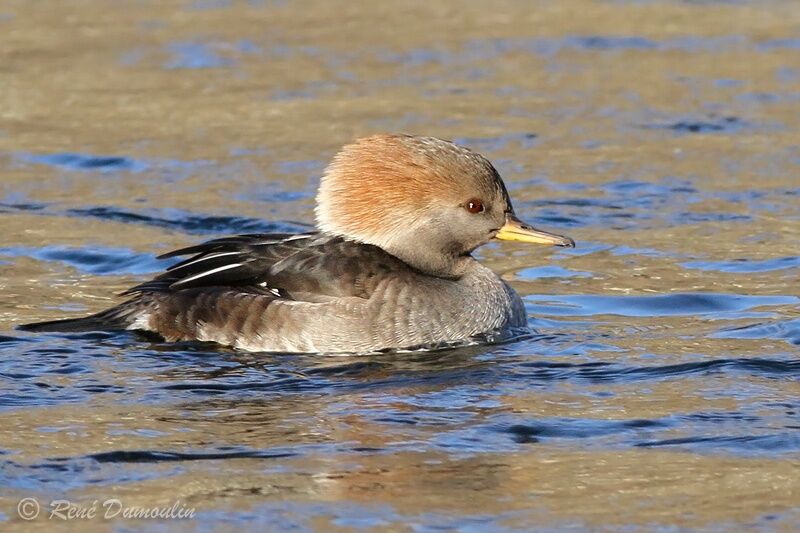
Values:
[(389, 267)]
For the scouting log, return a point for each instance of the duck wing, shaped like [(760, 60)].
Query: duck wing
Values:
[(295, 266)]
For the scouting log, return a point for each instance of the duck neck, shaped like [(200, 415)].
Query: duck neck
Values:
[(434, 262), (431, 253)]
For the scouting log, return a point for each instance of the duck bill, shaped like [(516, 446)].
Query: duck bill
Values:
[(516, 230)]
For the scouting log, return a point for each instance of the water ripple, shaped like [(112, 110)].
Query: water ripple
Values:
[(187, 222), (675, 304)]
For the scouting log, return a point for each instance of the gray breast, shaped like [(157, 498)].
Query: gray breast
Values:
[(437, 310)]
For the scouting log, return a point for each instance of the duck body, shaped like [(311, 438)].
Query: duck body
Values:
[(385, 271), (317, 293)]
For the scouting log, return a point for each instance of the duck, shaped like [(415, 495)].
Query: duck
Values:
[(389, 266)]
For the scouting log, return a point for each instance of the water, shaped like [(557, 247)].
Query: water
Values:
[(660, 388)]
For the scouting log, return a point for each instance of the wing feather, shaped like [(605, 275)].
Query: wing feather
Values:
[(309, 263)]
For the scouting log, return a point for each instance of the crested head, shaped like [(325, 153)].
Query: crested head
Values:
[(375, 180), (402, 192), (425, 200)]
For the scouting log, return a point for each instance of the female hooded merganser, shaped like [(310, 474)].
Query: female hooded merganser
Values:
[(390, 266)]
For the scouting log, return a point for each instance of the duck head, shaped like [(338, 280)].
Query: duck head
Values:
[(424, 200)]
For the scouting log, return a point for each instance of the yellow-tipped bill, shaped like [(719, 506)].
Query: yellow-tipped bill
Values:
[(516, 230)]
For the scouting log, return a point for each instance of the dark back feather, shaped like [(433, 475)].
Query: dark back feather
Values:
[(281, 263)]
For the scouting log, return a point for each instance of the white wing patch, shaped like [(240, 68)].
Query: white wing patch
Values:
[(276, 292), (297, 237), (207, 257), (208, 273)]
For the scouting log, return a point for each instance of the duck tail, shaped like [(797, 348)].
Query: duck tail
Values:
[(120, 317)]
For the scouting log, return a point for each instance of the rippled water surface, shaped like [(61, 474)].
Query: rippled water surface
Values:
[(660, 389)]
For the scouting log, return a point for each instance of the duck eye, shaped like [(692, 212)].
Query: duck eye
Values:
[(474, 206)]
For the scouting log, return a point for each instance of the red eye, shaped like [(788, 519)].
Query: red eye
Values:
[(474, 206)]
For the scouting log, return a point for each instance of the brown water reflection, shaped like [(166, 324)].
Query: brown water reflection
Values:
[(663, 390)]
